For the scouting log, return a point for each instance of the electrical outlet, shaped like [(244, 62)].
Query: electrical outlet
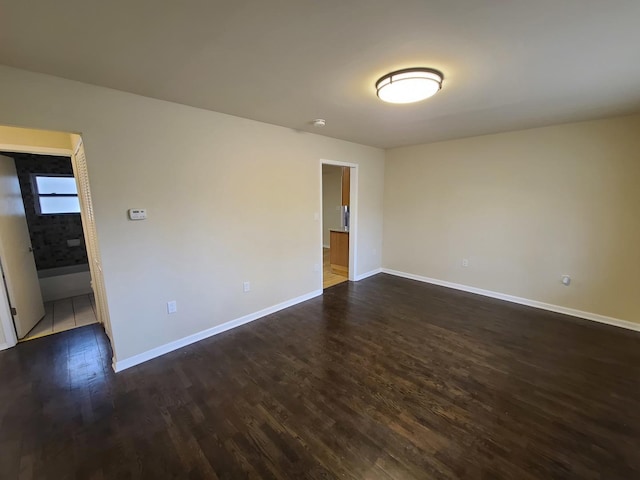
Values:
[(246, 287), (465, 262), (172, 306), (316, 267)]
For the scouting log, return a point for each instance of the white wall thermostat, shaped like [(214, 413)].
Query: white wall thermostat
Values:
[(137, 213)]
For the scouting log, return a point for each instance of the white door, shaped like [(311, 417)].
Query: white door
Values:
[(18, 265)]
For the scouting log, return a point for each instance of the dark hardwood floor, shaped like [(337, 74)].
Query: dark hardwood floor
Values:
[(384, 379)]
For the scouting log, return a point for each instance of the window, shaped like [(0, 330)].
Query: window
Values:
[(55, 194)]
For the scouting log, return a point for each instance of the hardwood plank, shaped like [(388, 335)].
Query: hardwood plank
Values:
[(384, 378)]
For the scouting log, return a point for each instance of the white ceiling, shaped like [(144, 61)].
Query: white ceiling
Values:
[(508, 64)]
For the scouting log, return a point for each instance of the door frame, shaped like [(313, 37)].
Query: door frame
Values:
[(79, 164), (6, 319), (353, 215)]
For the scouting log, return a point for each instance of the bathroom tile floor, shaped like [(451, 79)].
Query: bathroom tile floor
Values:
[(65, 314)]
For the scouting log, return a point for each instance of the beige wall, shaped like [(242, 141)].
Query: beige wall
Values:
[(331, 200), (524, 207), (228, 200)]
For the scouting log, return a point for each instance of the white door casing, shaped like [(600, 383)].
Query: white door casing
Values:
[(79, 163), (16, 257), (353, 215)]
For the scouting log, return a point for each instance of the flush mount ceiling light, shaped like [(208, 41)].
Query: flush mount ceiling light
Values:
[(409, 85)]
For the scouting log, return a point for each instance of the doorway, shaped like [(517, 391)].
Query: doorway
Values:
[(338, 184), (51, 269), (51, 212)]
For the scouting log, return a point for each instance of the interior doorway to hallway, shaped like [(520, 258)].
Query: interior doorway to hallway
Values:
[(338, 225), (49, 258), (49, 222)]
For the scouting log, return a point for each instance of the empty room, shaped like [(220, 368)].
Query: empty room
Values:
[(355, 240)]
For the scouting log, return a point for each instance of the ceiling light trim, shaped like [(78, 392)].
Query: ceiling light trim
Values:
[(409, 85)]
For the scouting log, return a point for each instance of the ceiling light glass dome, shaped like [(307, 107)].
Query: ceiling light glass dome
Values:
[(409, 85)]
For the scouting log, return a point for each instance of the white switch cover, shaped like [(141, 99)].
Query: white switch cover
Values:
[(465, 262), (137, 213), (246, 287), (172, 306)]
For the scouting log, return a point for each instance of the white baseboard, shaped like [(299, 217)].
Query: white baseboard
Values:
[(616, 322), (368, 274), (120, 365)]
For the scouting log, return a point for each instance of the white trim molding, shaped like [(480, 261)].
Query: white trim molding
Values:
[(368, 274), (616, 322), (56, 152), (119, 365), (353, 213)]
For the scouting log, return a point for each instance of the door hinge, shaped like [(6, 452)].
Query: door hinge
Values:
[(14, 312)]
